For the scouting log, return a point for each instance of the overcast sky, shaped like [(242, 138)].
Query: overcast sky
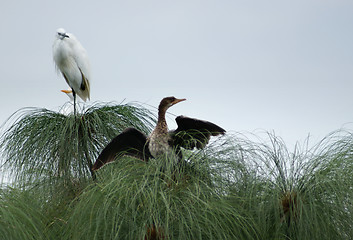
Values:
[(248, 66)]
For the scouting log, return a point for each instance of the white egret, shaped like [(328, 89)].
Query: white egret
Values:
[(71, 59)]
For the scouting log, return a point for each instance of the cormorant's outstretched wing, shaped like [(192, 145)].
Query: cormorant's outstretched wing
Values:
[(193, 132), (130, 142)]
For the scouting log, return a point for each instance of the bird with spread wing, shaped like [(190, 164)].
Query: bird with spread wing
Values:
[(190, 133)]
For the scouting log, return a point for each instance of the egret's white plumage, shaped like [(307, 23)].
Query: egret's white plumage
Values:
[(72, 61)]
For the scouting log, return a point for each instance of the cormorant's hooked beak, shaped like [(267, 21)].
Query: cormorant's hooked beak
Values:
[(178, 100)]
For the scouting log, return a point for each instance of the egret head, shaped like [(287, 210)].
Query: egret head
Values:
[(61, 33)]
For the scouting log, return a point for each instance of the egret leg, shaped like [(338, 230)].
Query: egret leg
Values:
[(74, 94)]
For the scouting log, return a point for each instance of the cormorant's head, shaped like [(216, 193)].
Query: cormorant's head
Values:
[(167, 102)]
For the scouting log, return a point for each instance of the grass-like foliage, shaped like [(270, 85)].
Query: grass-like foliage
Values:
[(161, 199), (304, 194), (42, 143), (21, 216), (235, 188)]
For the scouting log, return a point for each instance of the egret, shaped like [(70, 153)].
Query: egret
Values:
[(72, 61), (191, 133)]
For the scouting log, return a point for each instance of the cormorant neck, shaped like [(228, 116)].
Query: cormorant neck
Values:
[(162, 123)]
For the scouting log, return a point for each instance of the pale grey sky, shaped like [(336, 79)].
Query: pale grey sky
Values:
[(248, 66)]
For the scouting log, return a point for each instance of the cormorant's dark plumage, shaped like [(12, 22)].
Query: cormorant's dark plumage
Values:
[(190, 133), (130, 142)]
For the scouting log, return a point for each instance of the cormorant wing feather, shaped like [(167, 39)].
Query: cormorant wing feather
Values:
[(130, 142), (192, 132)]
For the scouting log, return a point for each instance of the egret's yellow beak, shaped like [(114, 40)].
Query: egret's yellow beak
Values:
[(66, 91)]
